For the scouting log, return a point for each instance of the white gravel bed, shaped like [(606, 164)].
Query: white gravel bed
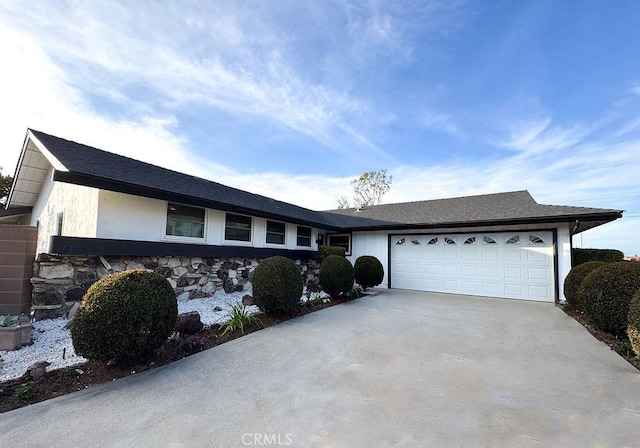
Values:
[(51, 338)]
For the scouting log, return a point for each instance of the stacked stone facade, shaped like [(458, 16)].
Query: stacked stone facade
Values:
[(59, 281)]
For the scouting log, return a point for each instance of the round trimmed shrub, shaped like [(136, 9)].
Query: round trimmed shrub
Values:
[(633, 325), (277, 285), (368, 271), (606, 293), (574, 280), (124, 316), (336, 275)]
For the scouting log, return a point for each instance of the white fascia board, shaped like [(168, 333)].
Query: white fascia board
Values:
[(57, 165)]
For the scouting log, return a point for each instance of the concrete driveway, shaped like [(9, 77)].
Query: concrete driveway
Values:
[(396, 369)]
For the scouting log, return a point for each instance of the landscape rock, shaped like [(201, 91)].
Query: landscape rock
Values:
[(189, 323)]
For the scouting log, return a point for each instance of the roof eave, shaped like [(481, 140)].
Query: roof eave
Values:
[(153, 193), (600, 218)]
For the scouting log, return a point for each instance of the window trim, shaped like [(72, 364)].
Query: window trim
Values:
[(266, 233), (348, 235), (224, 229), (166, 236)]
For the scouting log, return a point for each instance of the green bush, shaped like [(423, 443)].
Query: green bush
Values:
[(633, 327), (277, 285), (336, 275), (325, 251), (124, 316), (574, 280), (368, 271), (580, 256), (606, 293)]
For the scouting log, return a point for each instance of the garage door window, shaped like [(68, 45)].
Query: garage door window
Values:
[(489, 240), (449, 241), (470, 240), (535, 239), (433, 241), (513, 240)]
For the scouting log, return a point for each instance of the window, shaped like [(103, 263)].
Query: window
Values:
[(433, 240), (535, 239), (183, 220), (304, 236), (415, 242), (489, 240), (275, 232), (344, 240), (448, 240), (59, 224), (470, 240), (513, 240), (400, 242), (237, 227)]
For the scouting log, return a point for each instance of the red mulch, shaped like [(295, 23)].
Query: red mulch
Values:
[(71, 379)]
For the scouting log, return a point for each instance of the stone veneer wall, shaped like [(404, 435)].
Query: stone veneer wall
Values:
[(59, 281)]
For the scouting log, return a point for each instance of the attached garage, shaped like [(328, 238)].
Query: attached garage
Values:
[(518, 265)]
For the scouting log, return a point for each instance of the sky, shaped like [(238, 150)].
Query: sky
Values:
[(293, 100)]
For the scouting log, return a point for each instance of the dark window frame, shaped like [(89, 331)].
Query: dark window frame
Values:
[(346, 246), (273, 232), (171, 229), (239, 226), (301, 239)]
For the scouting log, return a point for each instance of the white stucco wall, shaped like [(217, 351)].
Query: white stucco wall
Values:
[(124, 216), (78, 204), (376, 244)]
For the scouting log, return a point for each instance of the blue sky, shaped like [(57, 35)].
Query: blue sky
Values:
[(294, 99)]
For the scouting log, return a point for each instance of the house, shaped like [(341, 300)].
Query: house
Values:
[(97, 212)]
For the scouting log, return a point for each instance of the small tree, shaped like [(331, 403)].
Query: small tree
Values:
[(368, 189), (5, 187)]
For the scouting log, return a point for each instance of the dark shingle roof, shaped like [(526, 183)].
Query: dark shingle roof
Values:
[(94, 167), (85, 160), (487, 208)]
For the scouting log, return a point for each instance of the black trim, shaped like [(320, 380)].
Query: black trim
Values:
[(389, 261), (147, 192), (18, 211), (556, 267), (606, 217), (68, 245)]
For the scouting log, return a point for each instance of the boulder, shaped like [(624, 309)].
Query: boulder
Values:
[(189, 323)]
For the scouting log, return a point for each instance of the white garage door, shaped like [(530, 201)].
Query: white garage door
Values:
[(516, 265)]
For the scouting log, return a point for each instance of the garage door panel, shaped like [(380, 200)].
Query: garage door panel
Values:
[(432, 270), (450, 270), (537, 256), (514, 290), (513, 273), (469, 255), (539, 292), (489, 255), (469, 271), (514, 256), (538, 274), (470, 287), (490, 289), (505, 264), (450, 255), (490, 271)]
